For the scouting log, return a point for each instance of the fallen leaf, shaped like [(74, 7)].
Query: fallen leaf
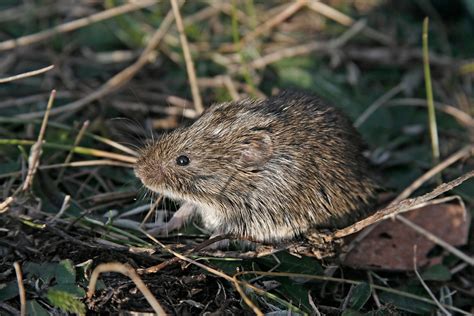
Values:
[(390, 245)]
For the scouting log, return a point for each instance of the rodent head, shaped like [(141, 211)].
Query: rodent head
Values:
[(207, 160)]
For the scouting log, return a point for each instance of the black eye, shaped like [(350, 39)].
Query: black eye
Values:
[(182, 160)]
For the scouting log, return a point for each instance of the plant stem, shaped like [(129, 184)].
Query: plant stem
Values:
[(429, 96)]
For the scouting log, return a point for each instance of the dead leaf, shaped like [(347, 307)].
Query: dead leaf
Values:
[(390, 245)]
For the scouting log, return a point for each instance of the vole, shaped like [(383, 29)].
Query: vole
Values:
[(266, 170)]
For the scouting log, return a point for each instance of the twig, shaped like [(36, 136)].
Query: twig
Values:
[(182, 257), (129, 272), (309, 47), (229, 84), (116, 81), (199, 247), (73, 25), (75, 164), (458, 268), (219, 81), (166, 98), (116, 196), (433, 297), (207, 13), (246, 299), (343, 306), (462, 117), (313, 305), (378, 103), (274, 21), (402, 206), (436, 239), (187, 58), (114, 144), (346, 20), (35, 151), (402, 57), (429, 96), (77, 150), (4, 205), (330, 13), (8, 308), (73, 239), (159, 267), (374, 292), (63, 208), (20, 101), (460, 154), (140, 107), (151, 211), (26, 74), (288, 52), (71, 152), (21, 288)]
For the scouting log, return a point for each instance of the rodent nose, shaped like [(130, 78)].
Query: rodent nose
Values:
[(148, 173)]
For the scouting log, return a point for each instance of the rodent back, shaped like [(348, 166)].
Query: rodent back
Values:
[(317, 153)]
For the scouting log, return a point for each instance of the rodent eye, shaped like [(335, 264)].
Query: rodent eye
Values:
[(182, 160)]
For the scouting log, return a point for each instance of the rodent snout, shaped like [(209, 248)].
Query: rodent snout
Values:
[(150, 174)]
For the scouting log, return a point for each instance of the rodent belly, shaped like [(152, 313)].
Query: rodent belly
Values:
[(211, 218), (216, 222)]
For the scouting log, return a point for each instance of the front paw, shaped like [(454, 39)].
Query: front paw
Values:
[(163, 229), (179, 219)]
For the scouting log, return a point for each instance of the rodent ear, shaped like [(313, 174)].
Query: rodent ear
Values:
[(256, 150)]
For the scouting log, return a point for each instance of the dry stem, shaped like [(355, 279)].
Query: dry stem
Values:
[(187, 58), (378, 103), (433, 297), (346, 20), (64, 207), (460, 154), (129, 272), (4, 205), (403, 206), (435, 239), (71, 152), (26, 74), (21, 288), (35, 151), (462, 117), (74, 164), (309, 47), (277, 19)]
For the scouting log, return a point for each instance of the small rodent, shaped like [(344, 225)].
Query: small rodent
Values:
[(265, 170)]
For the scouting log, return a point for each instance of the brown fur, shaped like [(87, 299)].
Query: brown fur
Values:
[(265, 169)]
